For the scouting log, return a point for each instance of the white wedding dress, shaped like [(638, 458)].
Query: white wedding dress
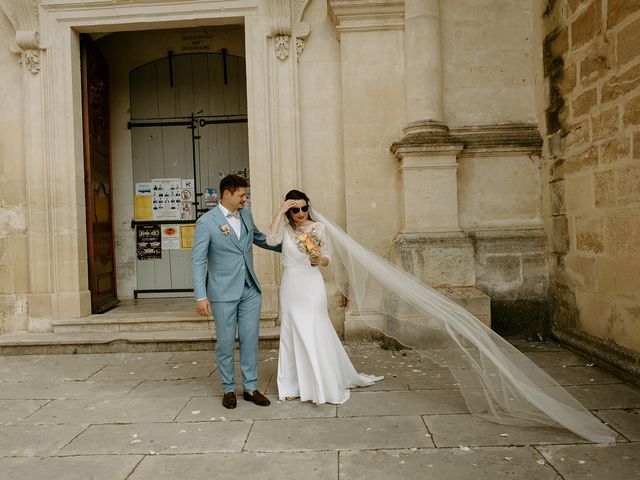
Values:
[(312, 363)]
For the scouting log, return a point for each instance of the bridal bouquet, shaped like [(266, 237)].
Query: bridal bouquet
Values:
[(309, 243)]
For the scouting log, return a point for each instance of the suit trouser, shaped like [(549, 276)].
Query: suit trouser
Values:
[(245, 315)]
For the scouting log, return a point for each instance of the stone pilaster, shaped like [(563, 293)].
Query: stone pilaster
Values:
[(372, 65)]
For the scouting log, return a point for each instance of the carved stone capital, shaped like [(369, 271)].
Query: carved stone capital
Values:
[(301, 29), (23, 15), (281, 44), (286, 22)]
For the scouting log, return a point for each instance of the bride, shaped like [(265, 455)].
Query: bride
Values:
[(312, 363), (498, 382)]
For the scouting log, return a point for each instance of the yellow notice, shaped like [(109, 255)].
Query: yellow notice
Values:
[(186, 235), (142, 208)]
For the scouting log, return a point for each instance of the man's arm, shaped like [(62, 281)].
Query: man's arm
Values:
[(260, 239), (199, 251)]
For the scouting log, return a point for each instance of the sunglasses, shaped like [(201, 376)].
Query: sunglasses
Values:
[(297, 210)]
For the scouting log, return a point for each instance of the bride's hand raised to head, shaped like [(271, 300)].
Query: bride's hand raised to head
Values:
[(286, 206), (278, 216)]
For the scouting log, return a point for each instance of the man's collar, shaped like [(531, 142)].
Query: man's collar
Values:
[(225, 210)]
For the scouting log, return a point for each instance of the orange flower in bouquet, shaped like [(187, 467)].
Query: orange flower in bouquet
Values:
[(310, 243)]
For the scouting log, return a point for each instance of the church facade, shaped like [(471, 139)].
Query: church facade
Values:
[(482, 146)]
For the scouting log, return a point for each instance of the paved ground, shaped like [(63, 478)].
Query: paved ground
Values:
[(158, 416)]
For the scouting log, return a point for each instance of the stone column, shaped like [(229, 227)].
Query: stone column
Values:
[(431, 244), (423, 61), (428, 159)]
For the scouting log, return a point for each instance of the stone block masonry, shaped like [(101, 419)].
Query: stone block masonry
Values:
[(592, 175)]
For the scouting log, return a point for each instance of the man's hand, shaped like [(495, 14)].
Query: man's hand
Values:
[(203, 307), (315, 261)]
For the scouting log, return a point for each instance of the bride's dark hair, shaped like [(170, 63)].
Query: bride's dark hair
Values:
[(296, 195)]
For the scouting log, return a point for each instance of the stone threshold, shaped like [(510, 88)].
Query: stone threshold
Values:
[(25, 343)]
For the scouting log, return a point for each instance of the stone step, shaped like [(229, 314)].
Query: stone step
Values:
[(471, 299), (25, 343), (140, 323), (358, 326)]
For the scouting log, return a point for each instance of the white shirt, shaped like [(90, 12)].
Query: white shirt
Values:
[(233, 221)]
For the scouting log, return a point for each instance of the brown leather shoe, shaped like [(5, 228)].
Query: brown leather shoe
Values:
[(257, 398), (229, 400)]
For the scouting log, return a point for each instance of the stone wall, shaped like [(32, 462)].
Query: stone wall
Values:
[(14, 270), (591, 68), (487, 67)]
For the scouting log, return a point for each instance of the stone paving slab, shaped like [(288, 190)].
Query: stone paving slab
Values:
[(204, 356), (581, 375), (627, 422), (47, 373), (535, 346), (440, 379), (388, 362), (155, 372), (338, 434), (447, 464), (466, 430), (111, 358), (415, 374), (108, 467), (595, 397), (211, 407), (192, 387), (420, 402), (117, 410), (66, 389), (242, 466), (557, 359), (577, 462), (12, 411), (160, 438), (35, 440)]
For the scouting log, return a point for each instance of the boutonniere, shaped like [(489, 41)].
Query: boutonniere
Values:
[(224, 229)]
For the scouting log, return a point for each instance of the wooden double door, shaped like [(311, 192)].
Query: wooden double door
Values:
[(97, 169)]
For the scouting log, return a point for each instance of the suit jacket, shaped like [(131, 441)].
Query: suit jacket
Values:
[(220, 261)]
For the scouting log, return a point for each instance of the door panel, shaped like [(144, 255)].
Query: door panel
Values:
[(162, 151), (97, 163)]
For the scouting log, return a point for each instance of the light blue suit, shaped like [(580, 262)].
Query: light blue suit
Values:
[(222, 271)]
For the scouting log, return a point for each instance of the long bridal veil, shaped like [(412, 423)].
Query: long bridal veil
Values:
[(498, 382)]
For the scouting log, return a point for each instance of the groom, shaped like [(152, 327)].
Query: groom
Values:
[(224, 281)]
